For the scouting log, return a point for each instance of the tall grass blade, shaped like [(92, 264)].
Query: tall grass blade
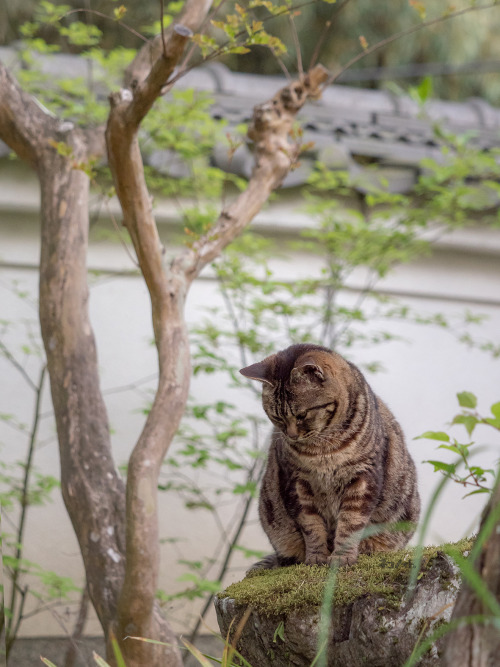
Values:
[(419, 549), (487, 528), (242, 662), (148, 641), (197, 653), (231, 647), (320, 659), (120, 661), (322, 646), (99, 661)]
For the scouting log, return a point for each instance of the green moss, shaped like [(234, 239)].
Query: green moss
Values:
[(280, 591)]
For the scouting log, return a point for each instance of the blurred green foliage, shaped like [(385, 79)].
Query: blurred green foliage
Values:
[(342, 29)]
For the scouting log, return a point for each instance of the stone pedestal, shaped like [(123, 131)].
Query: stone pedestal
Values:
[(372, 624)]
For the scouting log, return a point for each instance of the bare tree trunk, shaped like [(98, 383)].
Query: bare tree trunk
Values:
[(92, 490), (478, 644)]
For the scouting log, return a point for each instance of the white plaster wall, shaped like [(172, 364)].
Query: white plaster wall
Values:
[(419, 383)]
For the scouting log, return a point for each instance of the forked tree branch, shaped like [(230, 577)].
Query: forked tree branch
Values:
[(127, 111), (275, 155), (23, 122), (137, 612), (192, 17)]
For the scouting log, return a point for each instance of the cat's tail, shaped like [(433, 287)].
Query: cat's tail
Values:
[(271, 562)]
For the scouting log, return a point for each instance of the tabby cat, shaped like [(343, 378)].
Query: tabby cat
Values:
[(337, 462)]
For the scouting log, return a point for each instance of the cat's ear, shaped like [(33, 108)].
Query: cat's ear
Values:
[(308, 371), (260, 371)]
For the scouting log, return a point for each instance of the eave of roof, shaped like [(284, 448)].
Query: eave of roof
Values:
[(346, 126)]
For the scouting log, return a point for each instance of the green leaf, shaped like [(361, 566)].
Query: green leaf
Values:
[(425, 89), (202, 585), (157, 642), (192, 564), (249, 487), (48, 12), (229, 463), (495, 410), (434, 435), (198, 505), (47, 662), (441, 465), (451, 448), (239, 49), (476, 491), (279, 633), (81, 34), (466, 399), (120, 12), (249, 553), (469, 421)]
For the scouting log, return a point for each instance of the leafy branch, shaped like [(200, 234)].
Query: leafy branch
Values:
[(475, 476)]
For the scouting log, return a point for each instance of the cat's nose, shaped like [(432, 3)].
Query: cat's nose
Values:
[(292, 431)]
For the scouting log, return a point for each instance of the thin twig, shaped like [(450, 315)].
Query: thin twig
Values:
[(404, 33), (73, 648), (191, 50), (133, 386), (326, 29), (162, 24), (200, 494), (120, 236), (110, 18), (220, 50), (296, 43), (283, 67), (230, 548), (10, 635), (10, 357), (236, 326)]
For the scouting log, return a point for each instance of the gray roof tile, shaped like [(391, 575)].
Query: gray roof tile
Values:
[(345, 123)]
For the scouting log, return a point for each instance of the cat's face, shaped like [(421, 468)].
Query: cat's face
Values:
[(306, 391)]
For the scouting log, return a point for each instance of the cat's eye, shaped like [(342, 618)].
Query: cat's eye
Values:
[(301, 416)]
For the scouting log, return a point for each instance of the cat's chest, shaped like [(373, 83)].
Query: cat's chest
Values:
[(327, 489)]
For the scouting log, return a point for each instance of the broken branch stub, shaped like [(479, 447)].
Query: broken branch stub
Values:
[(273, 120)]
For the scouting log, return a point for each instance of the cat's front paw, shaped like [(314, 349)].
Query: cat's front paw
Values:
[(343, 558), (316, 559)]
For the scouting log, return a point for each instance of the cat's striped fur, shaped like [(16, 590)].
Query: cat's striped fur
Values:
[(337, 462)]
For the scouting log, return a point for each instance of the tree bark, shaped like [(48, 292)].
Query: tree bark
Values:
[(478, 644), (92, 490)]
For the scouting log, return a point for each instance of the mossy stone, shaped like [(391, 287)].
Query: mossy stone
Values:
[(283, 590)]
